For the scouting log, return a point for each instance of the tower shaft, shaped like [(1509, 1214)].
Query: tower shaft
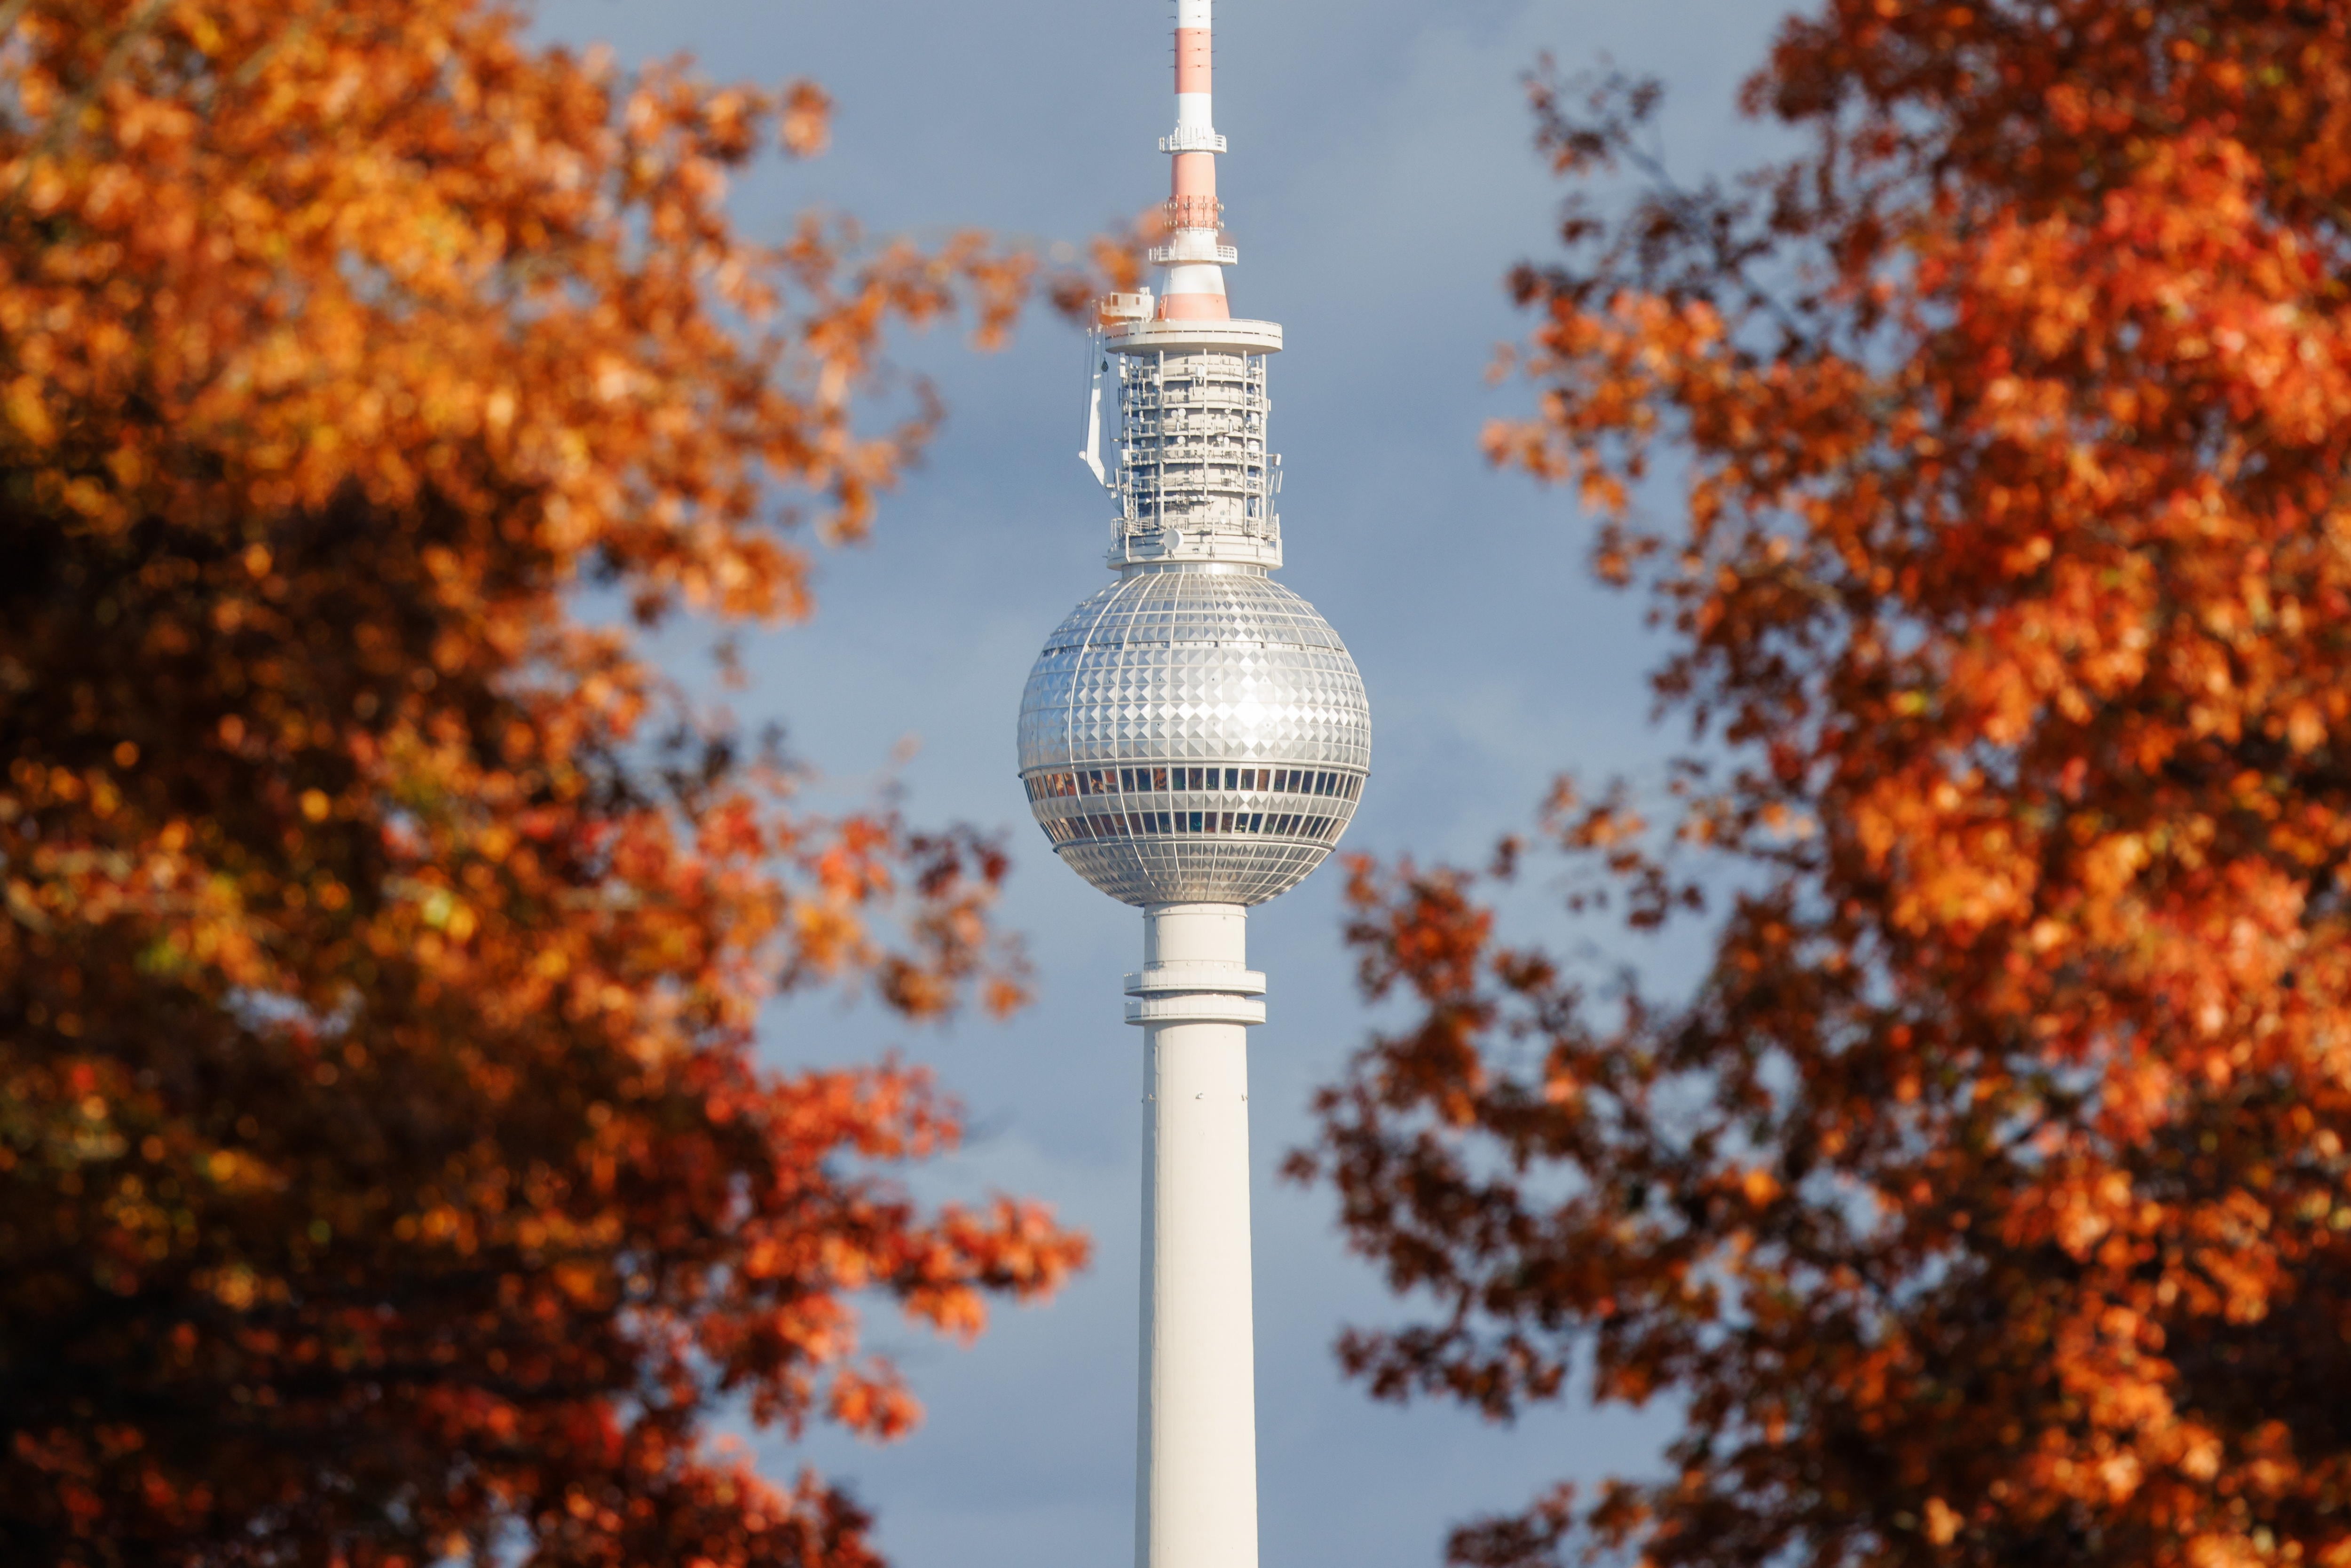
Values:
[(1195, 1464)]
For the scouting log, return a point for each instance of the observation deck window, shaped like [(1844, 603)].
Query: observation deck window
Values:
[(1092, 782), (1135, 824)]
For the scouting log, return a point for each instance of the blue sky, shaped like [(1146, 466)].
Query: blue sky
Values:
[(1380, 183)]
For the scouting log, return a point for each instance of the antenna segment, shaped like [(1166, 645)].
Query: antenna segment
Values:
[(1194, 255)]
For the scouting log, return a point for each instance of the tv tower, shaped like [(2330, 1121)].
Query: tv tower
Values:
[(1194, 739)]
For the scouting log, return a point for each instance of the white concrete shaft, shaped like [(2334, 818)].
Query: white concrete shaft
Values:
[(1196, 1469)]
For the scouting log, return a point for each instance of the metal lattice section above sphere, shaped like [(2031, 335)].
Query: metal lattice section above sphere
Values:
[(1195, 478), (1195, 734)]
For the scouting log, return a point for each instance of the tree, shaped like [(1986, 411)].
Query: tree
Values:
[(1986, 1200), (386, 1176)]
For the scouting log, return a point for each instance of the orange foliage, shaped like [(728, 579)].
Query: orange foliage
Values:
[(385, 1174), (1988, 1202)]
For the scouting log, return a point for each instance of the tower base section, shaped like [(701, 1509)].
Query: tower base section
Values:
[(1196, 1478)]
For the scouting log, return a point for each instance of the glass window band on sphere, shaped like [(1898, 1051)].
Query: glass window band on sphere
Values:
[(1144, 781)]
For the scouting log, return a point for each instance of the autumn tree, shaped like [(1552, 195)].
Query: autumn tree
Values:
[(1985, 1200), (386, 1174)]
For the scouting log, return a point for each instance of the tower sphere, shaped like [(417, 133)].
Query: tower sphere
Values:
[(1193, 733)]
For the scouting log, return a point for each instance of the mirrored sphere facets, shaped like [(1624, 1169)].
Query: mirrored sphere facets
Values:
[(1217, 730)]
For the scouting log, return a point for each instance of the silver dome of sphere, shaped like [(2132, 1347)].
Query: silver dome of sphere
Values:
[(1195, 734)]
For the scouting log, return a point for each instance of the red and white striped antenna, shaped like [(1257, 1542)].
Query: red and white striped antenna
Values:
[(1194, 255)]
